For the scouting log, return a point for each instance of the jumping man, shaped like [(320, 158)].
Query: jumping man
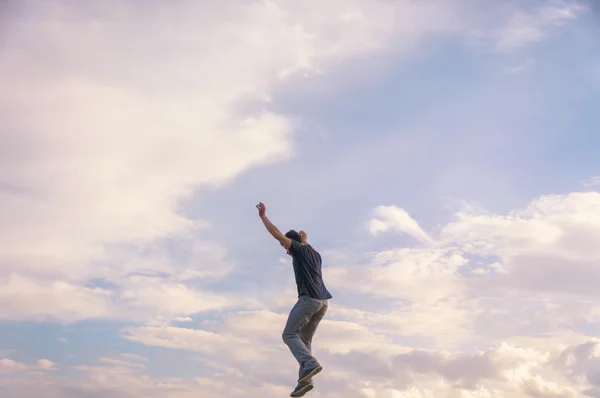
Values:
[(312, 301)]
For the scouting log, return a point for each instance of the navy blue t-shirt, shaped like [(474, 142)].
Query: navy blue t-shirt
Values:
[(307, 269)]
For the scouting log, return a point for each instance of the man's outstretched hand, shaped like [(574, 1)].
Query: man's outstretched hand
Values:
[(304, 237), (262, 209), (262, 212)]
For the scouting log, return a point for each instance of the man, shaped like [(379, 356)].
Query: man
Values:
[(311, 305)]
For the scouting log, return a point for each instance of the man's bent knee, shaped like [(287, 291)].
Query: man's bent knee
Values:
[(288, 336)]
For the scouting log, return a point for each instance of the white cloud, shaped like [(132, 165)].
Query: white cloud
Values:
[(592, 182), (502, 371), (247, 342), (386, 218), (45, 364), (487, 277), (183, 319), (524, 28), (9, 365), (138, 298), (549, 245), (403, 273), (182, 338), (121, 362), (113, 149), (155, 296), (503, 362), (24, 298), (133, 357), (133, 114)]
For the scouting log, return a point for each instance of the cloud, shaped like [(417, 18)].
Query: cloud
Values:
[(116, 119), (246, 342), (155, 296), (10, 365), (581, 364), (113, 150), (591, 182), (24, 298), (253, 331), (546, 246), (133, 357), (183, 319), (387, 218), (183, 338), (467, 371), (522, 68), (45, 364), (501, 371), (121, 362), (138, 298), (487, 277), (402, 272), (132, 120), (523, 28)]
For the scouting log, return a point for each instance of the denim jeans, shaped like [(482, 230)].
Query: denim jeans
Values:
[(300, 329)]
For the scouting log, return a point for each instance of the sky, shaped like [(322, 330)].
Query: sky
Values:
[(441, 155)]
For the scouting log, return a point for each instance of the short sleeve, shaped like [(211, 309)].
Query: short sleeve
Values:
[(295, 247)]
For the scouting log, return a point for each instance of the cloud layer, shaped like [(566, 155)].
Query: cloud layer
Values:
[(117, 121)]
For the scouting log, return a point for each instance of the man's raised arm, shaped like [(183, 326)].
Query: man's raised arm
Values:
[(284, 240)]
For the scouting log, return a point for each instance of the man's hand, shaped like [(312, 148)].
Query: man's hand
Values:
[(304, 237), (262, 209), (276, 233)]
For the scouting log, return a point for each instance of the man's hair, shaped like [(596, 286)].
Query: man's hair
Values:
[(293, 235)]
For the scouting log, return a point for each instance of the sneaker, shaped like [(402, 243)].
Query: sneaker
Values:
[(310, 373), (301, 389)]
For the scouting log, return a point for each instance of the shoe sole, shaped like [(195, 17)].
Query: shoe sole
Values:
[(310, 375), (302, 391)]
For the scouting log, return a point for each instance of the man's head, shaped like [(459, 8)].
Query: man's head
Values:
[(293, 235)]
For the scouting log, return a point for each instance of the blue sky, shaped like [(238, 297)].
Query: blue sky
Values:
[(440, 155)]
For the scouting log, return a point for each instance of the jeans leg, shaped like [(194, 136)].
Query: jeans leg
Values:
[(307, 333), (299, 317)]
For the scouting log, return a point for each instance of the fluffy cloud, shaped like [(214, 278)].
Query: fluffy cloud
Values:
[(115, 115), (45, 364), (122, 361), (394, 218), (369, 362), (364, 370), (501, 371), (547, 246), (465, 289), (8, 365), (26, 298), (581, 364), (130, 119), (137, 298)]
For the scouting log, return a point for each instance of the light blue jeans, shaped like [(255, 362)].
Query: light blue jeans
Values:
[(301, 327)]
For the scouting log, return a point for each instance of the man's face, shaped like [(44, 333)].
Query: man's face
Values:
[(286, 250)]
